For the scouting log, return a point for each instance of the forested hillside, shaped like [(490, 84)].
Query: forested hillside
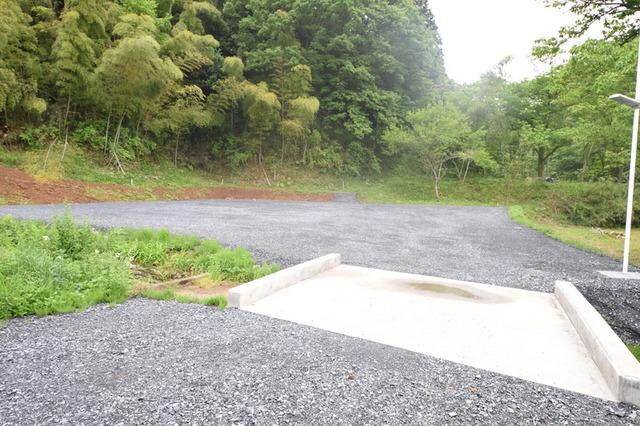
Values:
[(336, 87), (315, 82)]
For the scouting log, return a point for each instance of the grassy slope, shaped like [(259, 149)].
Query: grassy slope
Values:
[(607, 242)]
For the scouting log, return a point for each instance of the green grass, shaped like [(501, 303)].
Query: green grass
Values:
[(63, 266), (603, 241), (635, 350), (9, 157), (219, 301)]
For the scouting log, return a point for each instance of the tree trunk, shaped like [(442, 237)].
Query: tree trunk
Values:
[(66, 129), (116, 140), (66, 143), (464, 178), (106, 133), (541, 161), (437, 174), (66, 114), (175, 153), (586, 160), (304, 151)]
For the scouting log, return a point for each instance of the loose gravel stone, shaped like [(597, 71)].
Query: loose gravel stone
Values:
[(150, 362)]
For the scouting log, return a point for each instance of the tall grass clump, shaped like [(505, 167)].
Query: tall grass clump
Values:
[(56, 268), (237, 265), (65, 266)]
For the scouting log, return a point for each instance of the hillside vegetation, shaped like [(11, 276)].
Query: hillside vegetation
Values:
[(350, 88)]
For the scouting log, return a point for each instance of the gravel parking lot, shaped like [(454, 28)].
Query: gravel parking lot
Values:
[(150, 362)]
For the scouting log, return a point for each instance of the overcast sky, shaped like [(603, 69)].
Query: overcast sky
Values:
[(477, 34)]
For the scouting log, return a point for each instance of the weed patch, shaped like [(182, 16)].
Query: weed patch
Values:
[(65, 266)]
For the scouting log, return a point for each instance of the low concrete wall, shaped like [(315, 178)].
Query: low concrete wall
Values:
[(253, 291), (618, 366)]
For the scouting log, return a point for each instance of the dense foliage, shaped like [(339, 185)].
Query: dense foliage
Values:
[(352, 87), (561, 123), (313, 82)]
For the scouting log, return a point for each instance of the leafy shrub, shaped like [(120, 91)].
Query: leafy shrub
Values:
[(360, 160), (70, 239), (87, 133), (9, 158), (38, 137), (596, 204), (324, 158), (132, 146)]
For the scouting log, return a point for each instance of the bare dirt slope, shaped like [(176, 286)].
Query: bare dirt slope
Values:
[(18, 187)]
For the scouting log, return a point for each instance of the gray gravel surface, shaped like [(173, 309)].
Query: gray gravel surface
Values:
[(470, 243), (149, 362)]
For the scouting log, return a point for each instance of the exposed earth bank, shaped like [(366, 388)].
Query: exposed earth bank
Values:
[(18, 187)]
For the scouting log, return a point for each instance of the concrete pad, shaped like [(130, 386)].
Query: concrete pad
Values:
[(514, 332)]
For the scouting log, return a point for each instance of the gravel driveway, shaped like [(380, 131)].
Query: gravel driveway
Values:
[(150, 362)]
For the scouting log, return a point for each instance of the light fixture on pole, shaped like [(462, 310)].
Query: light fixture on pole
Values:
[(635, 104)]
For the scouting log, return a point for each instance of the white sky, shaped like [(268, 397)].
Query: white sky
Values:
[(477, 34)]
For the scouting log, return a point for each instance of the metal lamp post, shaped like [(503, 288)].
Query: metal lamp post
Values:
[(635, 104)]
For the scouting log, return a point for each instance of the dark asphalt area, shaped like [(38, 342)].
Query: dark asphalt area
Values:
[(158, 362)]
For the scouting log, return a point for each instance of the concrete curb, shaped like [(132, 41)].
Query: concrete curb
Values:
[(253, 291), (618, 366)]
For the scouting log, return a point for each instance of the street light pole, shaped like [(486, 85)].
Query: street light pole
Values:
[(635, 104), (632, 173)]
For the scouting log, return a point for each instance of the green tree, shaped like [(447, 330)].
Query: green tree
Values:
[(73, 61), (185, 109), (371, 60), (437, 135), (132, 76), (618, 18), (19, 63), (598, 128)]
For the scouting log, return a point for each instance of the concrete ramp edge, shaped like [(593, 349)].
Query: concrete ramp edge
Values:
[(619, 367), (253, 291)]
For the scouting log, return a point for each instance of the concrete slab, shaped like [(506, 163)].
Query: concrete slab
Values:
[(510, 331)]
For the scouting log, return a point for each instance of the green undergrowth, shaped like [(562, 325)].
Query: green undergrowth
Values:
[(600, 204), (64, 266)]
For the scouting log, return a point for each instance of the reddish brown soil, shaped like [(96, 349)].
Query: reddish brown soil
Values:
[(17, 187)]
